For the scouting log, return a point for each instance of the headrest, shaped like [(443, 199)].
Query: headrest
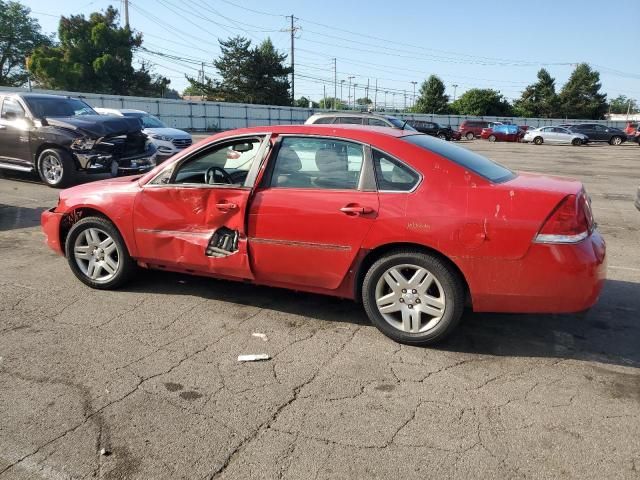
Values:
[(288, 161), (328, 160)]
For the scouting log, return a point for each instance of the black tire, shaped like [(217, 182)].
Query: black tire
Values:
[(470, 136), (449, 281), (65, 162), (442, 136), (492, 138), (576, 142), (538, 141), (126, 265), (615, 140)]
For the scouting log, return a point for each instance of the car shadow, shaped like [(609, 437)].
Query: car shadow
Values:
[(608, 333), (12, 217)]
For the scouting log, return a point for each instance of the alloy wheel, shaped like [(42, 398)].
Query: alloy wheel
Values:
[(51, 168), (96, 254), (410, 298)]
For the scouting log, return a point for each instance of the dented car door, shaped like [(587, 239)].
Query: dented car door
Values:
[(191, 216)]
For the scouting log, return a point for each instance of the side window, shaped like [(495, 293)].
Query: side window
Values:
[(317, 163), (349, 120), (376, 122), (392, 175), (324, 120), (225, 164), (600, 128), (11, 110)]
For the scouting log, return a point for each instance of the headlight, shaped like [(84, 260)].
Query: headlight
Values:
[(160, 137), (83, 144)]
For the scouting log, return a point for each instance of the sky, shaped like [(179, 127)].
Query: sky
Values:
[(471, 44)]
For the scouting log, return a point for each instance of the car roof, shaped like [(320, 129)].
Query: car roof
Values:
[(355, 132), (351, 114), (34, 95)]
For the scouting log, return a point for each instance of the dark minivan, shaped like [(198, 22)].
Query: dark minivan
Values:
[(58, 136)]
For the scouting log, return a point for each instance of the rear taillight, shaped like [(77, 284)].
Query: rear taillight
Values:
[(570, 222)]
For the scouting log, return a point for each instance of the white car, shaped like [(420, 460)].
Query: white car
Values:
[(553, 134), (168, 141)]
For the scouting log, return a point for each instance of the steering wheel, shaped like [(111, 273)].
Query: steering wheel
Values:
[(210, 174)]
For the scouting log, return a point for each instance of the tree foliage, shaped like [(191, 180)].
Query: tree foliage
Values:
[(20, 34), (580, 96), (539, 99), (623, 104), (432, 98), (481, 102), (332, 103), (94, 55), (364, 101), (304, 102), (247, 74)]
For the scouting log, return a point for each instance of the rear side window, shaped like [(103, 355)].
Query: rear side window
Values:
[(391, 175), (376, 122), (350, 120), (324, 120), (484, 167)]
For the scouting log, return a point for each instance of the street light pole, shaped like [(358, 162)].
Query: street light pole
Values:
[(414, 94), (455, 87), (385, 100), (354, 95), (349, 92), (341, 83)]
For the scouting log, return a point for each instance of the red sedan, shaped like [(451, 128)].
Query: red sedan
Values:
[(413, 227), (502, 133)]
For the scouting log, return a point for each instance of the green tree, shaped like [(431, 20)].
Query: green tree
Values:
[(538, 99), (19, 36), (580, 96), (363, 102), (94, 55), (623, 104), (304, 102), (481, 102), (331, 103), (432, 98), (247, 75)]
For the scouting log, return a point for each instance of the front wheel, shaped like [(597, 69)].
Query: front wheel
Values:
[(413, 297), (538, 140), (616, 140), (442, 136), (492, 138), (56, 167), (98, 255), (576, 142), (470, 136)]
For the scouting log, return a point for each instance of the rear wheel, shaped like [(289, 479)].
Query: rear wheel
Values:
[(470, 136), (442, 136), (56, 167), (538, 141), (413, 297), (615, 140), (98, 255), (492, 138), (576, 142)]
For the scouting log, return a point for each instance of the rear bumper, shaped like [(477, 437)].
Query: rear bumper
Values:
[(50, 221), (551, 278)]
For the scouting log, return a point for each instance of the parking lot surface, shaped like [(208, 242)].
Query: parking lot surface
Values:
[(144, 382)]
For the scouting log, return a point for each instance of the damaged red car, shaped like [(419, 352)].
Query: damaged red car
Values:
[(414, 228)]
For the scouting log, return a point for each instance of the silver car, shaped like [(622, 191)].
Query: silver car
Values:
[(358, 118), (554, 135)]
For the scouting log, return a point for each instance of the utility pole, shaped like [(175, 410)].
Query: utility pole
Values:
[(405, 101), (375, 97), (414, 93), (341, 83), (126, 13), (335, 85), (455, 87), (393, 105), (385, 100), (324, 96), (293, 31), (355, 100), (349, 92), (366, 92)]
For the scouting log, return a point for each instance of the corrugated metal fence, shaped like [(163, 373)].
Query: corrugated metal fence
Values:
[(210, 116)]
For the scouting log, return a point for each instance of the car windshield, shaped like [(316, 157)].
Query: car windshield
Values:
[(484, 167), (396, 122), (58, 107), (148, 121)]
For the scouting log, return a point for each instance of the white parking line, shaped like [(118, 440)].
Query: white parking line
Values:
[(625, 268)]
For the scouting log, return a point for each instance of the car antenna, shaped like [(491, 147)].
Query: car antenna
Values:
[(404, 124)]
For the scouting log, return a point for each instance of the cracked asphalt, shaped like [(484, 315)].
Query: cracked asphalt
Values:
[(149, 375)]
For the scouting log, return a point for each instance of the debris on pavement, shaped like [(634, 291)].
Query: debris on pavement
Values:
[(260, 335), (104, 452), (257, 357)]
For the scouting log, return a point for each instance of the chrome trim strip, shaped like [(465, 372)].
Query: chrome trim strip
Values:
[(11, 166), (294, 243), (174, 232)]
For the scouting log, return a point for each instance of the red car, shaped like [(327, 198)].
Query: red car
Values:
[(471, 129), (413, 227), (502, 133)]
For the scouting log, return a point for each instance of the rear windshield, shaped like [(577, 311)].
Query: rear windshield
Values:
[(484, 167)]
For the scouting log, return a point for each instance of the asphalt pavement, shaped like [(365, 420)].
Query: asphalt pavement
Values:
[(144, 382)]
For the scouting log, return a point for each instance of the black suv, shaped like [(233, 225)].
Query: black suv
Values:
[(58, 136), (434, 129), (600, 133)]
